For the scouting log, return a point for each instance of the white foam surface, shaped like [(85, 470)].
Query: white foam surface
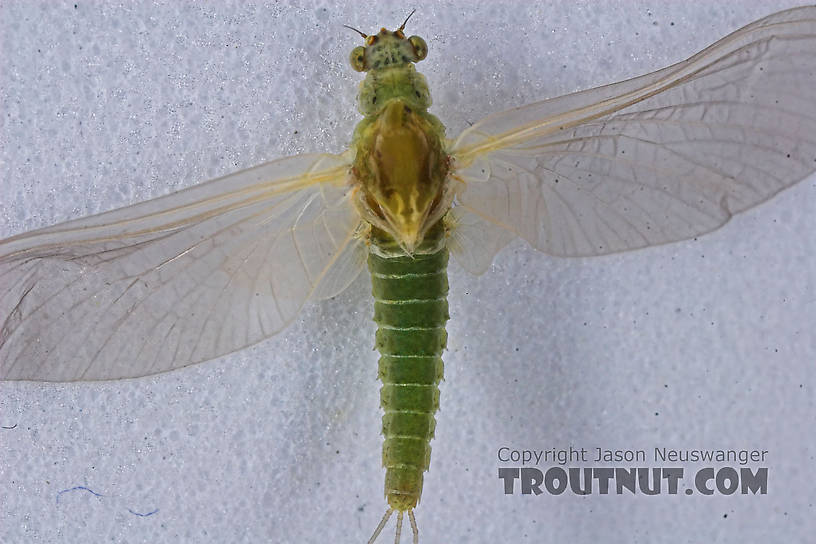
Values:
[(700, 344)]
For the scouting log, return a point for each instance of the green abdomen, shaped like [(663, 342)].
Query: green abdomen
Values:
[(411, 310)]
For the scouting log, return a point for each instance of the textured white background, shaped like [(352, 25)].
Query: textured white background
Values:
[(702, 344)]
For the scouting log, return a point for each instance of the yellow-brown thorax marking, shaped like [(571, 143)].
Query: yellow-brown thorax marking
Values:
[(402, 171)]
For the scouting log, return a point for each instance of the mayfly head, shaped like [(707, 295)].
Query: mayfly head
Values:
[(387, 49)]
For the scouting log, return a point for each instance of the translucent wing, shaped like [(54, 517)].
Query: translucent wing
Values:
[(179, 279), (474, 241), (654, 159)]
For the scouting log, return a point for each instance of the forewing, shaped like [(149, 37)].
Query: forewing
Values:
[(655, 159), (179, 279)]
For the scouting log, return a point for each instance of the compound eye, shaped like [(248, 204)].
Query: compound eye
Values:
[(357, 58), (420, 47)]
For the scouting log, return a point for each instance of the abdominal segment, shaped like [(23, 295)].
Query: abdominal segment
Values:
[(411, 310)]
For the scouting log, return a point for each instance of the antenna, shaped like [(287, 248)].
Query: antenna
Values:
[(402, 26), (360, 33)]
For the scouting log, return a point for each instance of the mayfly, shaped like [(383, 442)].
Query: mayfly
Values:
[(220, 266)]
